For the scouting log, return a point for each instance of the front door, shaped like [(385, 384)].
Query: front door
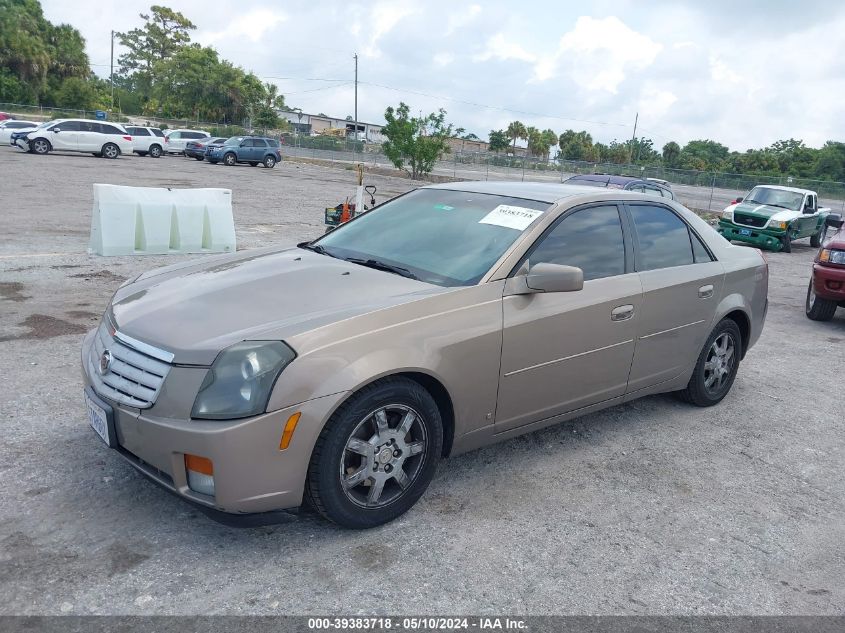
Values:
[(562, 351), (682, 286), (64, 136)]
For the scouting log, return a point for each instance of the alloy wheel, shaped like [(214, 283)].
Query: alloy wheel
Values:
[(720, 362), (40, 146), (383, 456)]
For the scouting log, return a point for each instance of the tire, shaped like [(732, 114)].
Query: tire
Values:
[(269, 162), (817, 308), (357, 426), (141, 153), (230, 159), (111, 151), (253, 164), (199, 157), (155, 151), (213, 162), (40, 146), (785, 244), (726, 336), (817, 239)]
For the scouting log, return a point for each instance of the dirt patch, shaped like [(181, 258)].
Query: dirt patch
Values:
[(100, 274), (11, 290), (81, 314), (42, 326)]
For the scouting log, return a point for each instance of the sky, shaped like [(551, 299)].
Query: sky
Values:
[(742, 72)]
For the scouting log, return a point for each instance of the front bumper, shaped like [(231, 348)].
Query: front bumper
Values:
[(251, 474), (829, 282), (769, 239)]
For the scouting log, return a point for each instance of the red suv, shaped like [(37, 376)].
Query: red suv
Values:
[(827, 285)]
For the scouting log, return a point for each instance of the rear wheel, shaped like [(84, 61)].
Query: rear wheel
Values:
[(110, 150), (230, 159), (376, 455), (269, 162), (716, 367), (40, 146), (818, 308), (155, 151)]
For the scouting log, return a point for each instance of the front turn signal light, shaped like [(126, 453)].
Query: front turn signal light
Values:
[(290, 427), (824, 256)]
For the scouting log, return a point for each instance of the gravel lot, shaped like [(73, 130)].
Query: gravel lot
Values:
[(653, 507)]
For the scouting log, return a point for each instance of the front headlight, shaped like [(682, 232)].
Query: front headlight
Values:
[(780, 225), (831, 256), (728, 216), (240, 380)]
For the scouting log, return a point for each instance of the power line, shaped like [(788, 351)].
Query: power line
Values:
[(299, 92)]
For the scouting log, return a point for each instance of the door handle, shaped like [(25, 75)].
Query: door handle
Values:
[(622, 313), (705, 292)]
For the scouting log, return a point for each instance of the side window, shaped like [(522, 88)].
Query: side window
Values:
[(175, 135), (110, 129), (194, 135), (272, 142), (664, 239), (653, 191), (698, 251), (157, 132), (88, 126), (259, 142), (67, 126), (590, 239), (140, 131)]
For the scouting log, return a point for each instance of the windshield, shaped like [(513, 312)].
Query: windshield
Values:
[(234, 140), (776, 197), (447, 238)]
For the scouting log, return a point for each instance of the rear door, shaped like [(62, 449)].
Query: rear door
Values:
[(259, 149), (682, 285), (562, 351), (90, 138)]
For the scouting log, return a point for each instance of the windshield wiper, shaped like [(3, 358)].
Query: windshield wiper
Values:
[(378, 265), (320, 250)]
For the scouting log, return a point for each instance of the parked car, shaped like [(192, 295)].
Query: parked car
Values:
[(772, 217), (76, 135), (827, 283), (5, 116), (146, 140), (451, 317), (628, 183), (196, 149), (246, 149), (13, 125), (175, 140)]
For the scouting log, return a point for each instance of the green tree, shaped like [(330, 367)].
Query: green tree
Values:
[(415, 143), (164, 33), (498, 140), (516, 130), (671, 154)]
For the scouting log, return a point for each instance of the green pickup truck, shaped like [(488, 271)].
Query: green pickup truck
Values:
[(771, 217)]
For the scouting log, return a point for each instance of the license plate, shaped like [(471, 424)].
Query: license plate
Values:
[(98, 418), (744, 232)]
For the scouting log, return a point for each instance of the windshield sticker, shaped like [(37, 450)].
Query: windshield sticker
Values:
[(511, 217)]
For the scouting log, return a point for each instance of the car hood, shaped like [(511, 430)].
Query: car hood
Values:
[(765, 210), (194, 310)]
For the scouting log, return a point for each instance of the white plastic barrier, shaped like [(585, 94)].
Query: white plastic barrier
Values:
[(150, 220)]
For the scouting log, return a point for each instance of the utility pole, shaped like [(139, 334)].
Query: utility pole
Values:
[(111, 76), (356, 100), (634, 137)]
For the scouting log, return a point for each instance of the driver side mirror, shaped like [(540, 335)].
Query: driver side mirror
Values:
[(738, 200), (547, 277), (834, 220), (55, 129)]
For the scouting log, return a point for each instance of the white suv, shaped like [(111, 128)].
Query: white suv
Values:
[(175, 140), (78, 135), (146, 140), (13, 125)]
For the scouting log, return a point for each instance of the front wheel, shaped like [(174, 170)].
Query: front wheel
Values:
[(39, 146), (110, 150), (198, 157), (376, 455), (817, 239), (785, 244), (716, 367), (230, 159), (269, 162), (817, 308)]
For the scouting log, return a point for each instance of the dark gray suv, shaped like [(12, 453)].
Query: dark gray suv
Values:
[(246, 149)]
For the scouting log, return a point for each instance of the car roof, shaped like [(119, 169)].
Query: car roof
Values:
[(608, 178), (539, 191), (782, 188)]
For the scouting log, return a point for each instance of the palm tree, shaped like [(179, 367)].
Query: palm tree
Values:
[(516, 129)]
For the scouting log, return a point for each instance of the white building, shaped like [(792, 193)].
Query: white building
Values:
[(316, 124)]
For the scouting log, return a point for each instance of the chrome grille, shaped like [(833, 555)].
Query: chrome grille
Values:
[(750, 220), (134, 377)]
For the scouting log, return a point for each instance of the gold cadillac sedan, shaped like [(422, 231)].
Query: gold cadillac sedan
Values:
[(340, 371)]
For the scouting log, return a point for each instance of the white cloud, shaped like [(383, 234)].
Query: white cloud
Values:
[(252, 25), (720, 71), (501, 48), (443, 59), (462, 18), (383, 18)]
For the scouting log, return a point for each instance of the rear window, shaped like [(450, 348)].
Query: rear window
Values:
[(272, 142), (157, 132), (193, 135)]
